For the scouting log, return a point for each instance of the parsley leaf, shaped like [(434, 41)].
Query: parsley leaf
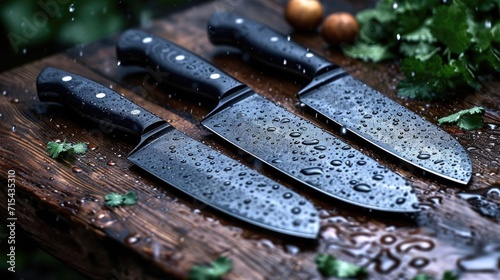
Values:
[(468, 119), (422, 276), (56, 148), (215, 270), (448, 275), (328, 265), (79, 148), (449, 26), (463, 34), (114, 200), (368, 52)]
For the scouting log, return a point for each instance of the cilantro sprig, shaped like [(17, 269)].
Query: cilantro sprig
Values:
[(57, 148), (445, 46), (329, 266), (214, 271), (114, 199), (468, 119)]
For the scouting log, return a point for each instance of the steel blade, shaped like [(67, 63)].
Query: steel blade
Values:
[(346, 101), (224, 184), (386, 124), (307, 153)]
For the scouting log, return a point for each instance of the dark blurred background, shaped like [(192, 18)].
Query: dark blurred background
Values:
[(32, 29), (35, 28)]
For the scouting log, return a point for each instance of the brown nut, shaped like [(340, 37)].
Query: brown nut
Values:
[(340, 28), (304, 15)]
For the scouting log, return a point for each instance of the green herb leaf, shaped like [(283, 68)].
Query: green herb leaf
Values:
[(79, 148), (54, 148), (329, 266), (215, 270), (421, 34), (466, 119), (114, 199), (449, 275), (455, 46), (420, 50), (412, 90), (367, 52), (449, 26), (130, 198), (422, 276), (495, 32)]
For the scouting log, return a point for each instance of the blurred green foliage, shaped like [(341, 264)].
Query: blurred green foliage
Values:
[(35, 28)]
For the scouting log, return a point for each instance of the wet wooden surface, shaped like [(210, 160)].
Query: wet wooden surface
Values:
[(60, 203)]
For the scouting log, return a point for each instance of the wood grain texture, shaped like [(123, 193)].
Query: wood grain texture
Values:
[(167, 232)]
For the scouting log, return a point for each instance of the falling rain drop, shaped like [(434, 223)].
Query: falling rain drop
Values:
[(71, 8)]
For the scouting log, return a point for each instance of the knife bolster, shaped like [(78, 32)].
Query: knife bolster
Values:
[(323, 79), (230, 99)]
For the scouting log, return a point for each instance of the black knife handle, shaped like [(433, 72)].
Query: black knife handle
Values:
[(266, 45), (176, 65), (94, 101)]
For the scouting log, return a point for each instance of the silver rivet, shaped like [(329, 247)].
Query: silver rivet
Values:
[(135, 112), (67, 78), (309, 54), (239, 21), (147, 40), (180, 57), (214, 76), (100, 95), (274, 39)]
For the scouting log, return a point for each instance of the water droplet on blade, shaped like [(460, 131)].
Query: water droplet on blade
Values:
[(362, 188), (312, 171), (424, 156)]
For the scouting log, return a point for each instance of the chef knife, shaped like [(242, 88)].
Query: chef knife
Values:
[(346, 101), (182, 162), (269, 132)]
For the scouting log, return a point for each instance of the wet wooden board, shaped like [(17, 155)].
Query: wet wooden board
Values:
[(60, 202)]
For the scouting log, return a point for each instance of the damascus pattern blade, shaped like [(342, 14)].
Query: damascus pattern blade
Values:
[(365, 112), (305, 152)]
